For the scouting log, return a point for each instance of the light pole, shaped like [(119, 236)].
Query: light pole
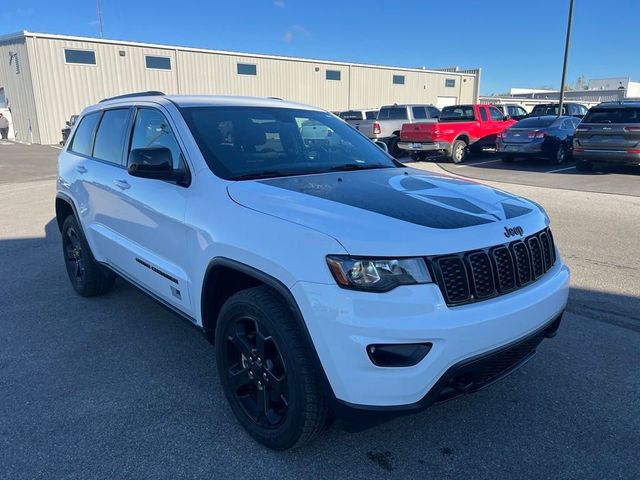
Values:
[(566, 57)]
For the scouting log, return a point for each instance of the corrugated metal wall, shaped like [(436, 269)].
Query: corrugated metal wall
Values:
[(18, 89), (65, 89)]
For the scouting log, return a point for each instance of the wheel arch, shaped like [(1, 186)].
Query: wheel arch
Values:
[(64, 208), (237, 276), (464, 136)]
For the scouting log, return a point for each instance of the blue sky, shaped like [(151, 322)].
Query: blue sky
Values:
[(515, 42)]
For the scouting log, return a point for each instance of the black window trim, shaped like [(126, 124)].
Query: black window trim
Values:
[(129, 139), (95, 57), (159, 69)]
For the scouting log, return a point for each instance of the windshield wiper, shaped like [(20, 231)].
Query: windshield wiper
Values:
[(358, 166), (263, 174)]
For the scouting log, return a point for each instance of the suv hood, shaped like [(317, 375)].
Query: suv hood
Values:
[(394, 211)]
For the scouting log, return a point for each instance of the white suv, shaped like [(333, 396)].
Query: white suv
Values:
[(333, 279)]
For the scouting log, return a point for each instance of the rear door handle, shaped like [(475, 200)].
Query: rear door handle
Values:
[(122, 184), (81, 169)]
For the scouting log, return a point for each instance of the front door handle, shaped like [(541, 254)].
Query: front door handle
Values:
[(81, 169), (122, 184)]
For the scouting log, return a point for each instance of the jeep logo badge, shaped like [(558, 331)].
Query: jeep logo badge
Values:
[(513, 231)]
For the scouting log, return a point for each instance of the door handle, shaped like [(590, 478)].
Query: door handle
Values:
[(122, 184), (81, 169)]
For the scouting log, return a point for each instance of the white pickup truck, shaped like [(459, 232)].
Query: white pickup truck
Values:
[(386, 127)]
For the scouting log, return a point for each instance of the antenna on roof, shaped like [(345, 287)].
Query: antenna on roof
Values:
[(99, 14)]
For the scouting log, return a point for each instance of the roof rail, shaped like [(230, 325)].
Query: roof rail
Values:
[(150, 93)]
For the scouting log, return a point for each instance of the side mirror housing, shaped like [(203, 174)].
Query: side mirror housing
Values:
[(154, 163), (382, 146), (505, 118), (68, 123)]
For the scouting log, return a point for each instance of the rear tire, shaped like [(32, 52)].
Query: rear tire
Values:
[(266, 370), (458, 151), (87, 277), (584, 166), (560, 155), (392, 145)]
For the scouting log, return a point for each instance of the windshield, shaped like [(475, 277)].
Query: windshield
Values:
[(257, 142), (548, 110), (613, 115), (351, 115)]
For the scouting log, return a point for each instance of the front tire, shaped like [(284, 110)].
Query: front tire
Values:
[(87, 277), (458, 151), (266, 370)]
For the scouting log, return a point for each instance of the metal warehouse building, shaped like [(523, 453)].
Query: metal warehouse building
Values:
[(44, 79)]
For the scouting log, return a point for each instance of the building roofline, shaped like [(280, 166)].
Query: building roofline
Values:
[(52, 36), (14, 35)]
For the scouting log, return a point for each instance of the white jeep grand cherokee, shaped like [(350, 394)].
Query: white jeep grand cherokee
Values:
[(333, 279)]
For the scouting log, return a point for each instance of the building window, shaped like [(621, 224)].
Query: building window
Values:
[(81, 57), (157, 63), (332, 75), (398, 79), (450, 82), (246, 69)]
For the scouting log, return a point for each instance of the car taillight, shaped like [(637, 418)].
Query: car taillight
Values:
[(578, 149), (435, 133), (376, 128), (631, 129), (502, 135), (632, 150), (537, 134)]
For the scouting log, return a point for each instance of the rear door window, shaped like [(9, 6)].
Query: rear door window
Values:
[(83, 138), (110, 136)]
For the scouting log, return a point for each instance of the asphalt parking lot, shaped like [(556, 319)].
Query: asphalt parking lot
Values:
[(117, 387)]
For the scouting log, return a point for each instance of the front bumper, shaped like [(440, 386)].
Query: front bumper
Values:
[(342, 323), (424, 146), (619, 157)]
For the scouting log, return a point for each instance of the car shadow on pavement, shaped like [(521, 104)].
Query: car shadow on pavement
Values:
[(116, 386)]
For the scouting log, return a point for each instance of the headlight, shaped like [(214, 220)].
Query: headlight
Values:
[(378, 275)]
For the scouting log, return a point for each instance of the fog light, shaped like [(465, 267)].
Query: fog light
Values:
[(398, 355)]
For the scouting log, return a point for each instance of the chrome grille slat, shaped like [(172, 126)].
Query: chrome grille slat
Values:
[(478, 275)]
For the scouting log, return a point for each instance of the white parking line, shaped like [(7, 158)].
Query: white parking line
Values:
[(480, 163), (56, 146), (560, 169)]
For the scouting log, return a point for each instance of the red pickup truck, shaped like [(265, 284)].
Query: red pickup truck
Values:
[(460, 128)]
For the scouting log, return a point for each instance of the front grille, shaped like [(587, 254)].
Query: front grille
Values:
[(468, 277)]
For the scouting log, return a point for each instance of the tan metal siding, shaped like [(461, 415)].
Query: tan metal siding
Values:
[(67, 88), (299, 81), (18, 90)]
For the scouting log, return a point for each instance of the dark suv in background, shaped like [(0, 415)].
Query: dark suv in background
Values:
[(609, 133), (572, 109)]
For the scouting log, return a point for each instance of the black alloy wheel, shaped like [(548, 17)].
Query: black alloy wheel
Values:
[(256, 372)]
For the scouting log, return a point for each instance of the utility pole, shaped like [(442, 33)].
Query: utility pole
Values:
[(99, 12), (566, 57)]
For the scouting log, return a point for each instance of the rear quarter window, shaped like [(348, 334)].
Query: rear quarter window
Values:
[(83, 138)]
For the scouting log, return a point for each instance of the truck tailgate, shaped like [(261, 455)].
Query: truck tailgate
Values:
[(418, 132)]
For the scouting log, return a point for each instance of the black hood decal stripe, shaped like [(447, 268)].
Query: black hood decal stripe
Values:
[(424, 200)]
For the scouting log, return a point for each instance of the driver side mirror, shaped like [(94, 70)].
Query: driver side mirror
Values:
[(382, 145), (68, 123), (154, 163), (505, 118)]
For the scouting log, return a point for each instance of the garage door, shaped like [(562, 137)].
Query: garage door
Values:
[(446, 101)]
